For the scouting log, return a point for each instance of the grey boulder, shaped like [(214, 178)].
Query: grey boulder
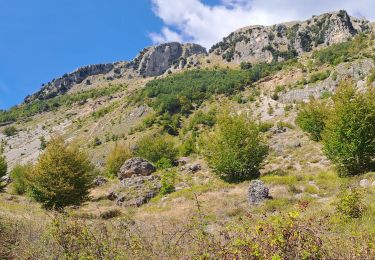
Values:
[(135, 166), (258, 192)]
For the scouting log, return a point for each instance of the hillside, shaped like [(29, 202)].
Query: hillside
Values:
[(178, 95)]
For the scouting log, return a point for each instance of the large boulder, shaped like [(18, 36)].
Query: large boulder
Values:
[(135, 166), (258, 192), (136, 190)]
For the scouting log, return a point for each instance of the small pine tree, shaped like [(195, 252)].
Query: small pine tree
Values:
[(235, 150), (116, 159), (349, 135), (62, 176)]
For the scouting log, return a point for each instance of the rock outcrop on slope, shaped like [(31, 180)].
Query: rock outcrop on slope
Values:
[(274, 43), (156, 60), (150, 62)]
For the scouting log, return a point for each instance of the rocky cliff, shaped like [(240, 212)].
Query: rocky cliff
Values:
[(152, 61), (282, 41), (156, 60)]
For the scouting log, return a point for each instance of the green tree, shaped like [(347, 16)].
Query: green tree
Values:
[(235, 150), (349, 135), (157, 148), (116, 159), (62, 176), (20, 175), (311, 118)]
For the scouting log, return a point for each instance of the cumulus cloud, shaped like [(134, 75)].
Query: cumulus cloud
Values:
[(195, 21)]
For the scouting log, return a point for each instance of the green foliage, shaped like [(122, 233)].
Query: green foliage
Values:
[(202, 119), (62, 176), (349, 135), (311, 118), (341, 52), (371, 78), (180, 93), (119, 154), (235, 149), (3, 167), (10, 131), (350, 204), (20, 175), (168, 180), (38, 106), (43, 143), (157, 148), (319, 76)]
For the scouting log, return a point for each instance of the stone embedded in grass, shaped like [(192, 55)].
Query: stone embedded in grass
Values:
[(258, 192), (135, 166), (99, 181), (364, 183)]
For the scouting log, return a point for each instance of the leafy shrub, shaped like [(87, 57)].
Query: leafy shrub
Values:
[(311, 118), (349, 135), (318, 76), (20, 175), (119, 154), (168, 180), (62, 176), (10, 131), (202, 118), (235, 149), (350, 204), (157, 148)]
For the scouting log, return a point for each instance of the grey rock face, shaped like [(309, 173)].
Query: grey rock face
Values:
[(278, 42), (364, 183), (99, 181), (258, 192), (6, 179), (136, 166), (156, 60), (64, 84)]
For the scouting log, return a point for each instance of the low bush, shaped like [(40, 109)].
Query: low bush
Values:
[(235, 150), (168, 180), (311, 118), (10, 131), (119, 154), (20, 175), (157, 148), (350, 204), (62, 176)]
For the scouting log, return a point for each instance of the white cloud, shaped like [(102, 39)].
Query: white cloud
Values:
[(194, 21)]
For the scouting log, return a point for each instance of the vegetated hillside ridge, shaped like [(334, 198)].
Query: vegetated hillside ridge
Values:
[(176, 138)]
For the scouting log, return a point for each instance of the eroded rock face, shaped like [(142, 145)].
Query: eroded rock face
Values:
[(258, 192), (64, 84), (135, 166), (278, 42), (156, 60)]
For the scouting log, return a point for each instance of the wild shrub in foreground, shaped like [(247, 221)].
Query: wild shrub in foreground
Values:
[(159, 149), (62, 176), (349, 135), (235, 150), (311, 118), (20, 175), (350, 204), (116, 159)]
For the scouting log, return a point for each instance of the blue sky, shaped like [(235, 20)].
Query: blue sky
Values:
[(43, 39)]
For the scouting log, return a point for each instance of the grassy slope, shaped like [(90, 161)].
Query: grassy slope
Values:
[(300, 179)]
